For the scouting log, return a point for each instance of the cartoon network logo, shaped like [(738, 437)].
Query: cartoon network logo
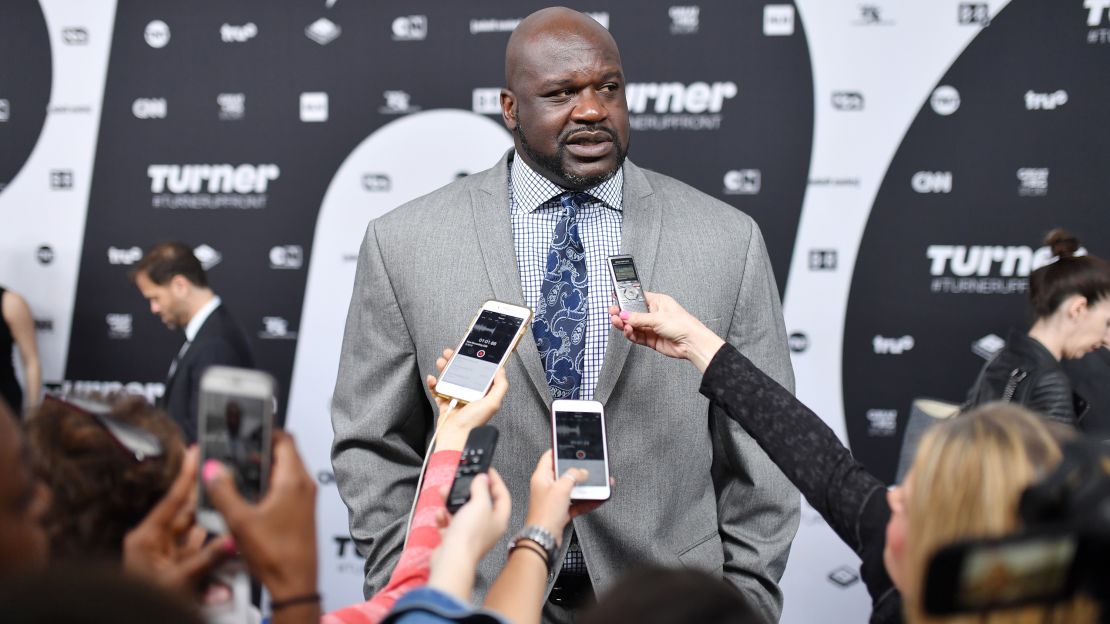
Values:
[(223, 178), (985, 260), (891, 346)]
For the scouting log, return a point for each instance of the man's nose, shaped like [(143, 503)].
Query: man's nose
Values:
[(589, 107)]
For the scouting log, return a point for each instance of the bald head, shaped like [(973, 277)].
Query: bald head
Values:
[(559, 23), (564, 98)]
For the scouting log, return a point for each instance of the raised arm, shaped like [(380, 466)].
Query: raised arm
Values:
[(380, 417), (17, 314)]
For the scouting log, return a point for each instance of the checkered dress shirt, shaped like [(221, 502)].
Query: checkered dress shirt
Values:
[(535, 208)]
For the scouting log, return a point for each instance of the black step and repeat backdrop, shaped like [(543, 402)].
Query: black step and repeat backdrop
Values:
[(915, 154)]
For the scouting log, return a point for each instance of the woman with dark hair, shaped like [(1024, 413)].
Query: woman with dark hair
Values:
[(1071, 308), (106, 468), (17, 328)]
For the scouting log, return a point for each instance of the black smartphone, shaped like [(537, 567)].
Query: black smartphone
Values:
[(476, 458)]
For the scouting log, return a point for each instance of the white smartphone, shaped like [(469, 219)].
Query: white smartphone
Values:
[(579, 440), (235, 426), (487, 345)]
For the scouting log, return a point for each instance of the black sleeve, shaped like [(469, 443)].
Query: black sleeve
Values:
[(1051, 396), (848, 497)]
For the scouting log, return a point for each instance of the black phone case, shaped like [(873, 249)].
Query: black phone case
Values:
[(476, 458)]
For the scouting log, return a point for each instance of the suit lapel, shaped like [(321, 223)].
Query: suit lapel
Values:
[(494, 233), (640, 230)]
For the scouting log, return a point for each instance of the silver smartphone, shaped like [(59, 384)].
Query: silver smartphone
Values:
[(626, 284), (487, 345), (235, 426), (578, 437)]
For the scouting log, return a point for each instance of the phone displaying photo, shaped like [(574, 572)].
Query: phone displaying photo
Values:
[(489, 341), (235, 427), (578, 431)]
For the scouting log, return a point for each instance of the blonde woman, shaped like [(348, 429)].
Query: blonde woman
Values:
[(965, 482)]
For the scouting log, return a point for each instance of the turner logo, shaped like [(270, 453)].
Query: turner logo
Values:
[(891, 346), (945, 100), (211, 186), (743, 182), (486, 101), (127, 256), (149, 108), (81, 387), (684, 19), (119, 326), (286, 257), (410, 28), (238, 34), (1045, 101), (984, 269), (676, 106), (932, 182), (157, 34), (882, 423), (1095, 10)]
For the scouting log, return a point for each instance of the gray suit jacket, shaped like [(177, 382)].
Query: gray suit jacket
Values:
[(691, 487)]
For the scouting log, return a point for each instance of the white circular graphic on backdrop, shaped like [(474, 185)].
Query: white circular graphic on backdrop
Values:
[(945, 100), (400, 161), (157, 34)]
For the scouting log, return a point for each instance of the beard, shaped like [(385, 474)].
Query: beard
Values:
[(555, 163)]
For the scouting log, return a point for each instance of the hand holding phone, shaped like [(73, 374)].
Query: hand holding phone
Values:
[(579, 441), (487, 345), (476, 459)]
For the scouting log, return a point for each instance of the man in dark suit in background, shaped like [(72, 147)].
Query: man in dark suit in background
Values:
[(172, 279)]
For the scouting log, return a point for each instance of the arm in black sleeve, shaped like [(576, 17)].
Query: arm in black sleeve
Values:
[(1051, 396), (848, 497)]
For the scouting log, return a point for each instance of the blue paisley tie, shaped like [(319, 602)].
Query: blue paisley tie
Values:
[(561, 312)]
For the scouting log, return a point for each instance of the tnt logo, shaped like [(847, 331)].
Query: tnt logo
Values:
[(932, 182)]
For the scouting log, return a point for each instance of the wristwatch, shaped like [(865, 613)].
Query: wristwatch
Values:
[(542, 537)]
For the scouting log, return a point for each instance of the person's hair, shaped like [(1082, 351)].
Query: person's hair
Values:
[(93, 595), (1068, 275), (166, 260), (672, 596), (968, 476), (100, 490)]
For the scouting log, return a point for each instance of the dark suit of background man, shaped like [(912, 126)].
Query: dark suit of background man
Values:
[(692, 489), (172, 279)]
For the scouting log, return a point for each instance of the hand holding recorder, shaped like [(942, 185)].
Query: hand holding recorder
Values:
[(669, 329)]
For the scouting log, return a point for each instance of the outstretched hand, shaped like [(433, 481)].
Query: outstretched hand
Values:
[(549, 504), (454, 431), (167, 546), (669, 329)]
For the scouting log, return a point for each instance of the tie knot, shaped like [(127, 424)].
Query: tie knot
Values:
[(573, 201)]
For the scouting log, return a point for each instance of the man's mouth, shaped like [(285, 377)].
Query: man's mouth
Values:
[(590, 144)]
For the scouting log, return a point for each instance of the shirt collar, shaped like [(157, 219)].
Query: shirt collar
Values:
[(200, 317), (532, 190)]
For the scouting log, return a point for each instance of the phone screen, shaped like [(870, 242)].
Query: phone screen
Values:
[(476, 362), (624, 270), (234, 433), (580, 443)]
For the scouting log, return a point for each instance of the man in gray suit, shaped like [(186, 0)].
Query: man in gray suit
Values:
[(691, 487)]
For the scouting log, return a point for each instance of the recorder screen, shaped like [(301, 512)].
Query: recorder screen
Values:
[(234, 434), (476, 362), (624, 270), (580, 443), (1016, 572)]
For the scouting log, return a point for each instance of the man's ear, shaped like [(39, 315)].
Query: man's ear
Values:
[(180, 285), (508, 109)]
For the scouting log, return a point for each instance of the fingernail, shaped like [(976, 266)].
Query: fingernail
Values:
[(229, 545), (211, 470), (624, 316)]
